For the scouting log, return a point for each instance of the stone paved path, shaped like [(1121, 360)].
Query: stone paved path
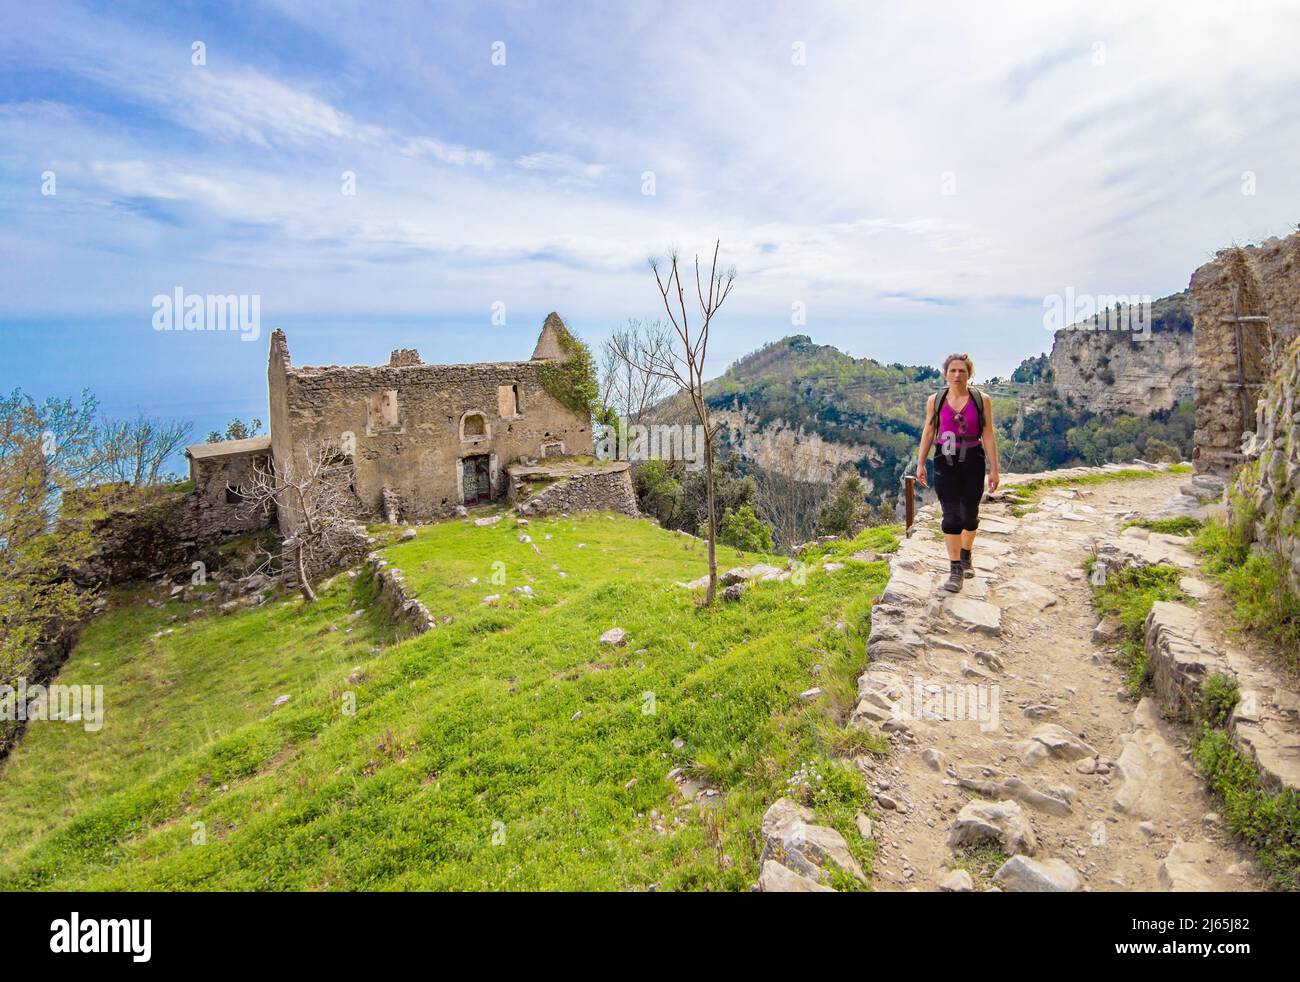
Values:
[(1095, 790)]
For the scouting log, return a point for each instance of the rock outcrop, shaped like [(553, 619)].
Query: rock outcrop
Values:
[(1126, 371)]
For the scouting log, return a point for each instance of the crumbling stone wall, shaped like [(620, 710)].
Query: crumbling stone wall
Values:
[(408, 426), (347, 545), (1266, 492), (219, 512), (406, 609), (138, 532), (1233, 362), (595, 489)]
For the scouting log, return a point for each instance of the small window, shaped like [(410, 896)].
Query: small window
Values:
[(381, 413), (234, 496), (552, 449)]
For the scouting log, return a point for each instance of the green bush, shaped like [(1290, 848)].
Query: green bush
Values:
[(1219, 697), (742, 529)]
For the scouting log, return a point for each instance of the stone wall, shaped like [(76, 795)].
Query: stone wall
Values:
[(219, 513), (390, 585), (1266, 493), (607, 488), (347, 544), (138, 532), (1230, 376), (408, 426)]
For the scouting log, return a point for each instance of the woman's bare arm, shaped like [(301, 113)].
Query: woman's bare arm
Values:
[(927, 440), (990, 440)]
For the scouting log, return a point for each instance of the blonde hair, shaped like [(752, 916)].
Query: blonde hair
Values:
[(970, 365)]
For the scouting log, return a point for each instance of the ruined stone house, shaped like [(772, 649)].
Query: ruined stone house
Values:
[(419, 440)]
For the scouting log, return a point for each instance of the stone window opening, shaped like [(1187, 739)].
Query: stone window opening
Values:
[(553, 449), (382, 412), (234, 495), (508, 404), (474, 427)]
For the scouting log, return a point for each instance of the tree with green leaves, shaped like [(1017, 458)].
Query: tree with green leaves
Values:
[(743, 530), (45, 450), (845, 512), (236, 429)]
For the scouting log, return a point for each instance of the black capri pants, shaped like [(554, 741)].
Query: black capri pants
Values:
[(960, 485)]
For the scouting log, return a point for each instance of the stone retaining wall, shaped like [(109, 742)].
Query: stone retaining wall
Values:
[(390, 586), (606, 489)]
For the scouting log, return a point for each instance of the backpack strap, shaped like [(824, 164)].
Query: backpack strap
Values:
[(978, 396), (939, 398)]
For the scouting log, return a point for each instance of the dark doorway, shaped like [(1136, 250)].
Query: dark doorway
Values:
[(476, 479)]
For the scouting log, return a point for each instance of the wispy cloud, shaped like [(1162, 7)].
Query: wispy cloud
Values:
[(934, 161)]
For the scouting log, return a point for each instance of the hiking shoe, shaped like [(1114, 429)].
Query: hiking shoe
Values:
[(953, 585), (967, 564)]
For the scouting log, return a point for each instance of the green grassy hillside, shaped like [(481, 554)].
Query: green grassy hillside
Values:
[(507, 749)]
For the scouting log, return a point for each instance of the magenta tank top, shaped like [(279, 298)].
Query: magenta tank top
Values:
[(948, 424)]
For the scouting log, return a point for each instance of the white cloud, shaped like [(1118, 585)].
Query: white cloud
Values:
[(562, 166)]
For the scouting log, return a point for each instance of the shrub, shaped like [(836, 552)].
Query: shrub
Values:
[(1219, 697), (742, 529)]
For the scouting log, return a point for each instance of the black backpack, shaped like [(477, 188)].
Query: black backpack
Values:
[(979, 409)]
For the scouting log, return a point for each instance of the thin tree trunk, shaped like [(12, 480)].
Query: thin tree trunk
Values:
[(713, 520), (304, 585)]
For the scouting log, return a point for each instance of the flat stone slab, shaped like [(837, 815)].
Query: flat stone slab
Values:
[(906, 586), (1180, 655), (974, 615), (1027, 594), (1183, 870), (778, 878), (1269, 737), (1144, 760), (998, 526)]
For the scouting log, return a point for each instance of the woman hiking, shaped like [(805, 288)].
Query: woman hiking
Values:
[(962, 418)]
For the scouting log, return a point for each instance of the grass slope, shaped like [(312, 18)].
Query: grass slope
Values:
[(456, 760)]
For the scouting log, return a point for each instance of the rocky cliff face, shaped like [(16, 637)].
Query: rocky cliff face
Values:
[(1120, 371), (792, 451)]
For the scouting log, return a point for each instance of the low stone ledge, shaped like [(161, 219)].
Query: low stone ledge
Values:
[(1180, 657), (390, 584)]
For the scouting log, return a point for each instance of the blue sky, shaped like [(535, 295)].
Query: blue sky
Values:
[(1090, 146)]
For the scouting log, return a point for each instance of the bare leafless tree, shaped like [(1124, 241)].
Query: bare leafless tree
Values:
[(316, 491), (789, 505), (685, 367), (628, 388), (136, 450)]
